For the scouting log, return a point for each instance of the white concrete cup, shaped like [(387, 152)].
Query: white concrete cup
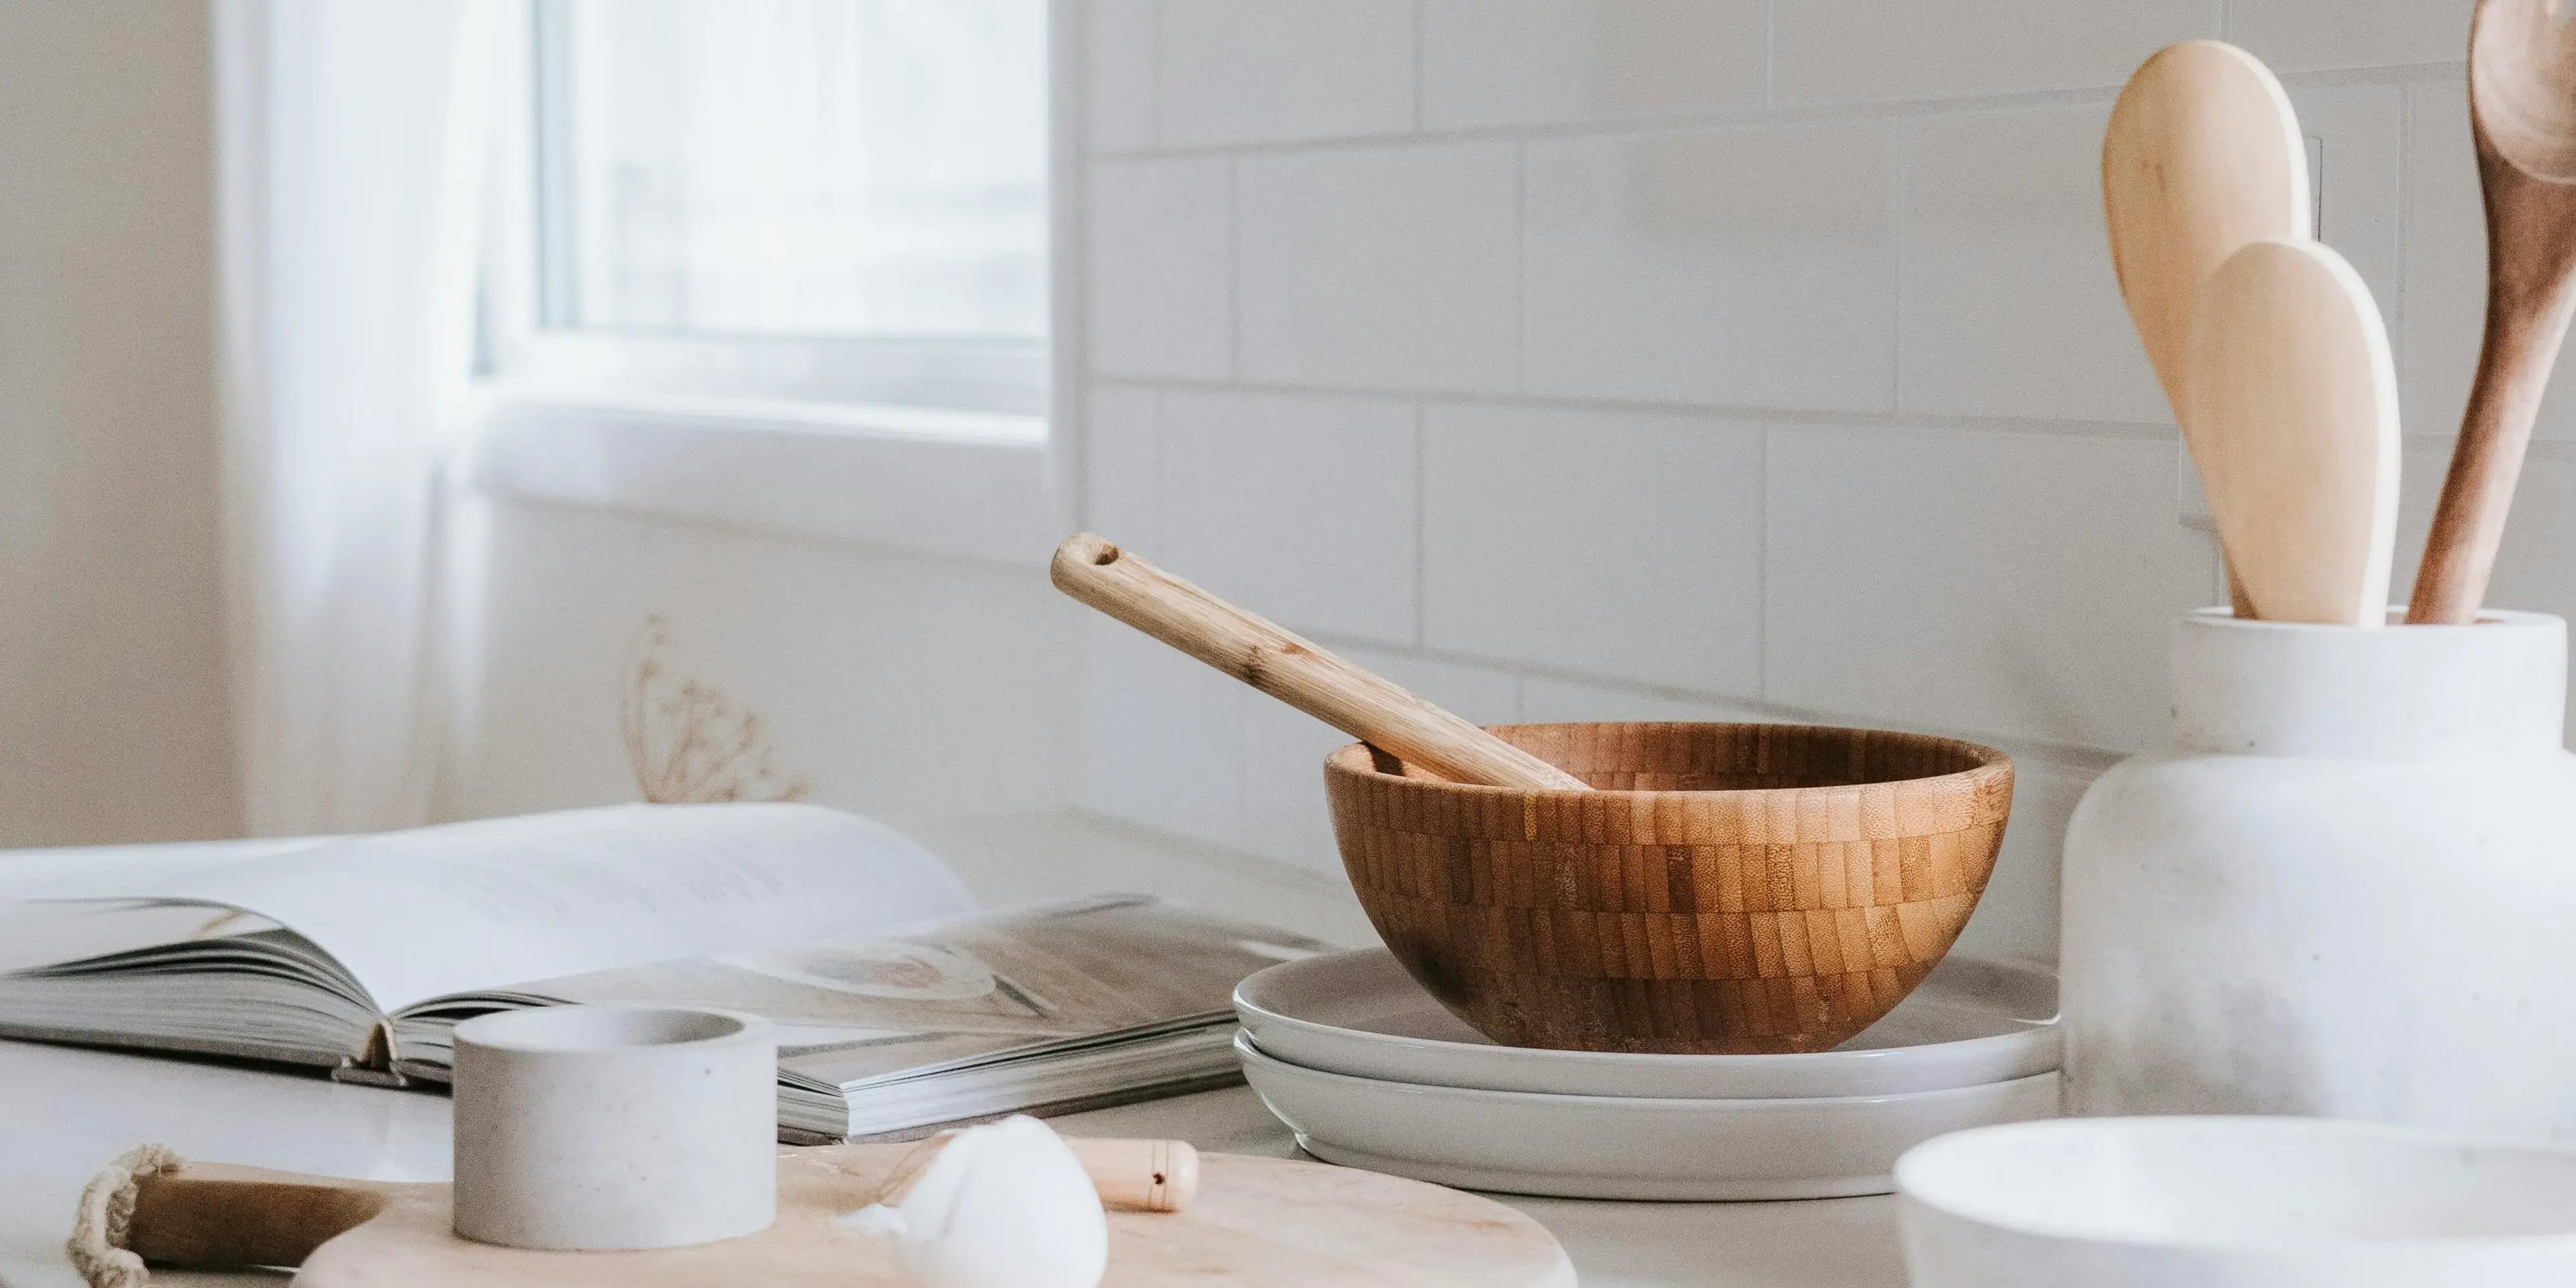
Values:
[(606, 1127)]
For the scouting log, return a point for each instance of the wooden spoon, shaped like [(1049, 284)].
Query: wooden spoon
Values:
[(2292, 384), (1294, 671), (2203, 155), (2522, 116)]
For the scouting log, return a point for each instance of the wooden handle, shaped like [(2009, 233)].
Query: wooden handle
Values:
[(1133, 1175), (1294, 671), (2526, 318), (216, 1214), (1141, 1175)]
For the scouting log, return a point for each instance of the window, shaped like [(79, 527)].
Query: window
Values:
[(839, 201)]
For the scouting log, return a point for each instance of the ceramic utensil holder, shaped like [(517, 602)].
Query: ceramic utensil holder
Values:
[(605, 1127), (2346, 888)]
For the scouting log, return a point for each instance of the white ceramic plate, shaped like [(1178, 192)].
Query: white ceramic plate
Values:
[(1969, 1024), (2235, 1203), (1618, 1147)]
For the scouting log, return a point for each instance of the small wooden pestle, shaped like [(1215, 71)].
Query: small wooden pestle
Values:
[(1294, 671)]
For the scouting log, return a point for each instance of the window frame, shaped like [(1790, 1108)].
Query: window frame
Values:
[(936, 445)]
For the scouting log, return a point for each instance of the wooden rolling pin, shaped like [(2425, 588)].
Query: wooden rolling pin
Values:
[(1294, 671), (216, 1214)]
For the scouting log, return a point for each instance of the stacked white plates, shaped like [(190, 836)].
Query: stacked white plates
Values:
[(1370, 1072)]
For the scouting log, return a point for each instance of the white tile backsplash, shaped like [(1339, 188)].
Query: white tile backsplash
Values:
[(2445, 265), (2009, 305), (1547, 62), (1122, 466), (1440, 329), (2014, 585), (2446, 274), (1386, 267), (1118, 74), (1851, 51), (1162, 735), (1751, 267), (1299, 507), (2307, 35), (1254, 71), (2359, 133), (1157, 290), (1618, 545), (1545, 700)]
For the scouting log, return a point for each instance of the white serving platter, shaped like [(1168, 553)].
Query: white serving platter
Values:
[(1619, 1147), (1970, 1023)]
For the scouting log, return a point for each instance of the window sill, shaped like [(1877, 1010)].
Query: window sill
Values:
[(944, 483)]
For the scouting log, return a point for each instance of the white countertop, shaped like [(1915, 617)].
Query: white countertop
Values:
[(64, 1113)]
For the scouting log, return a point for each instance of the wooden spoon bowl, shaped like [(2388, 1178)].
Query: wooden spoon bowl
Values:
[(1725, 889)]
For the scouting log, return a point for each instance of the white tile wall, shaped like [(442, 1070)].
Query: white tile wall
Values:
[(1380, 267), (1159, 295), (1122, 468), (1842, 51), (1615, 544), (1543, 62), (2017, 585), (1118, 74), (1162, 736), (1747, 267), (1441, 329), (1546, 700), (1300, 505), (2359, 148), (1249, 71), (2300, 35), (2009, 305)]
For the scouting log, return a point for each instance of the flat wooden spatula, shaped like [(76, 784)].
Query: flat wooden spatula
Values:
[(2202, 155), (1293, 670), (2291, 382)]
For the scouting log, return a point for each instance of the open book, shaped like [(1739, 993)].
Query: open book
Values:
[(898, 1007)]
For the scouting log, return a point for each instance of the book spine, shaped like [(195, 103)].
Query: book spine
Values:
[(373, 1066)]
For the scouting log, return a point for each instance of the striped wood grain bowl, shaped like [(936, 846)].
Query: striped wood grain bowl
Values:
[(1728, 888)]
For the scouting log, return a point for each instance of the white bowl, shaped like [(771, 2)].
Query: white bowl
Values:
[(2234, 1203), (1623, 1147), (1969, 1023)]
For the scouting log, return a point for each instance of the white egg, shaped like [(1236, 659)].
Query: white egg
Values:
[(1004, 1205)]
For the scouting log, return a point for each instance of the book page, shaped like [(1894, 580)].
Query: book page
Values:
[(858, 1008), (487, 904)]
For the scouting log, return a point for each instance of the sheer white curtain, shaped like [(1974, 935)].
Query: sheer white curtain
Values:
[(354, 145)]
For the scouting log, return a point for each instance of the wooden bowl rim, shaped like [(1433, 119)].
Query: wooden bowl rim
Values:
[(1352, 760)]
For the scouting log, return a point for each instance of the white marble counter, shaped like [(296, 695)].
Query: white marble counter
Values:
[(65, 1112)]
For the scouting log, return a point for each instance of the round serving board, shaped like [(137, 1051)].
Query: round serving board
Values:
[(1273, 1223)]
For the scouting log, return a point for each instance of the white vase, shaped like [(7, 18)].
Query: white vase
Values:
[(2346, 888)]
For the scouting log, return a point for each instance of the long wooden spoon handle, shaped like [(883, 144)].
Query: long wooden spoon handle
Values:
[(1294, 671), (2526, 320)]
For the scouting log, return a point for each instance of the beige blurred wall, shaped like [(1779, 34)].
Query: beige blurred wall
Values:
[(112, 703)]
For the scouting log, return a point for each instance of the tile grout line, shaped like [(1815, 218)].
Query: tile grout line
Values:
[(2388, 74), (1806, 417)]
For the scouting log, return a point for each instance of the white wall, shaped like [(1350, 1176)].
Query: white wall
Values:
[(112, 706), (1576, 359)]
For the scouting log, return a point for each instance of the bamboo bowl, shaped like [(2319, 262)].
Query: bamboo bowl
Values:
[(1727, 888)]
